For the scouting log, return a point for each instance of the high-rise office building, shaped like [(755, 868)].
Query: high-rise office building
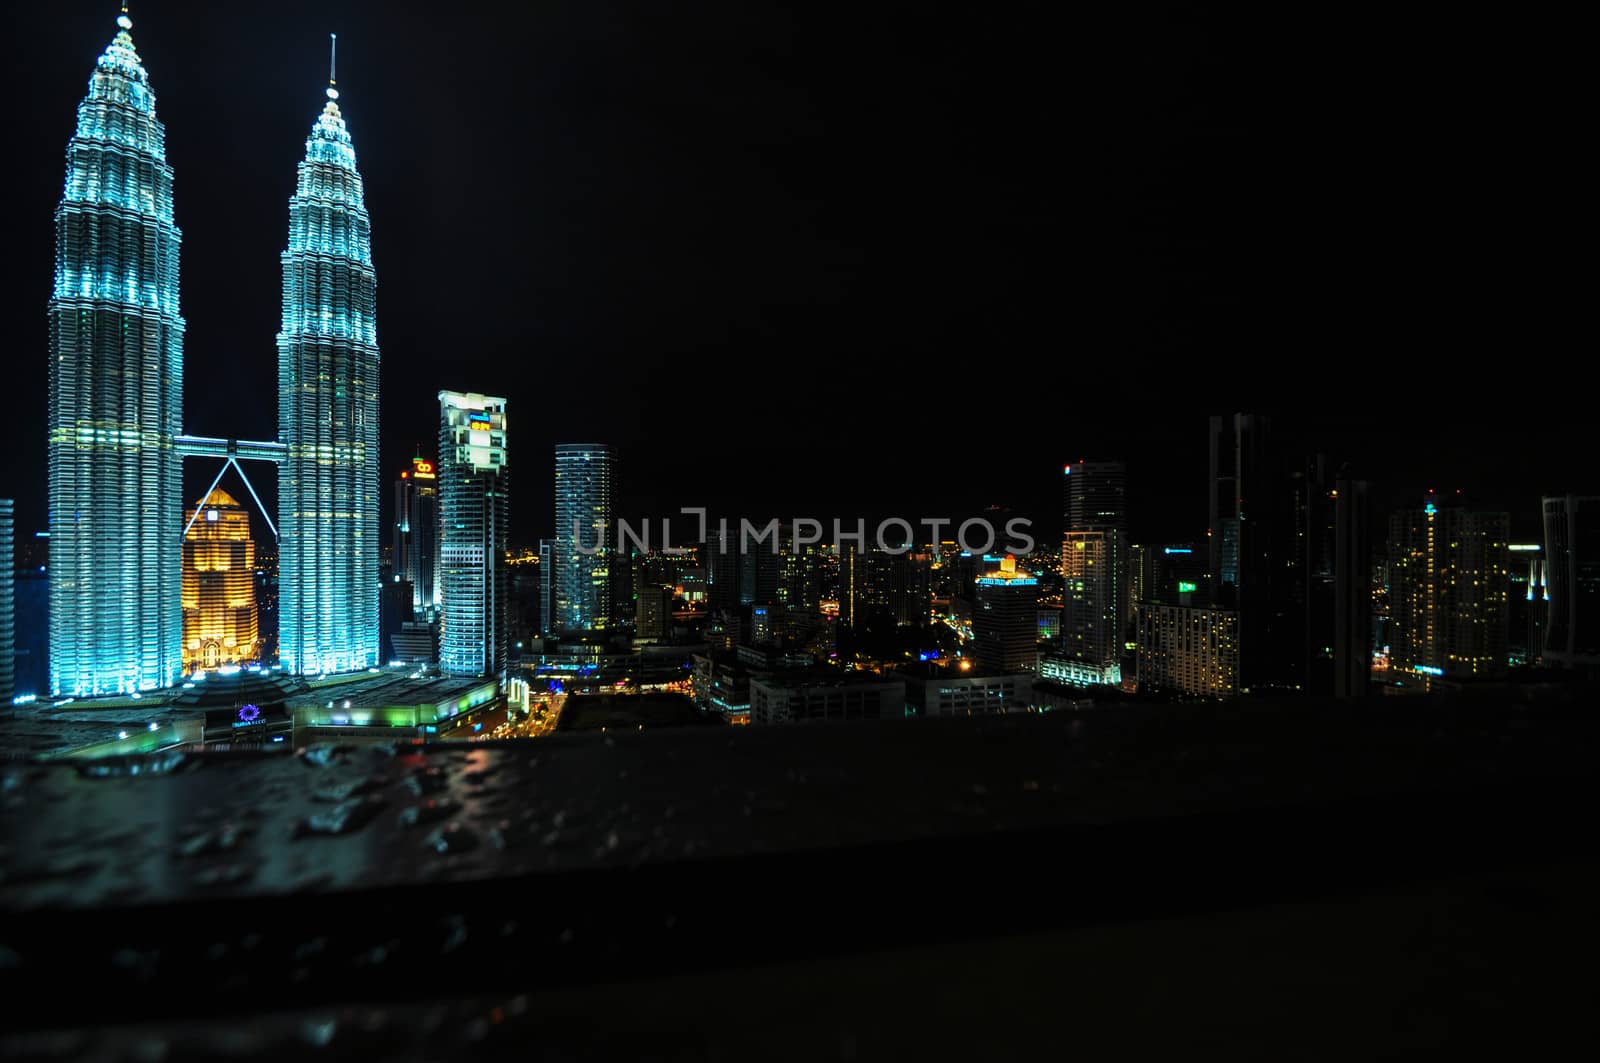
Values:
[(1005, 620), (221, 625), (1352, 575), (523, 630), (653, 613), (585, 533), (1090, 617), (622, 590), (1170, 575), (547, 587), (115, 395), (1190, 650), (1141, 572), (799, 574), (32, 606), (1239, 463), (740, 569), (866, 582), (1095, 494), (328, 508), (721, 554), (474, 522), (760, 567), (1096, 600), (8, 602), (1572, 546), (1448, 593), (1270, 555), (1178, 574), (415, 552), (1529, 594), (911, 588), (396, 613)]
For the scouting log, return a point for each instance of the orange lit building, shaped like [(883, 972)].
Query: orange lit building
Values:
[(219, 591)]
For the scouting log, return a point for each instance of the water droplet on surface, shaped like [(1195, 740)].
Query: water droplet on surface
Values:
[(344, 791), (325, 755), (341, 819), (225, 875), (453, 838), (319, 1031), (428, 812), (425, 781)]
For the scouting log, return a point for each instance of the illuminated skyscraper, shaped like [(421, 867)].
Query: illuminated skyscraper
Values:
[(416, 534), (1095, 593), (220, 623), (584, 535), (1005, 620), (1448, 593), (328, 414), (116, 381), (474, 520), (1188, 649)]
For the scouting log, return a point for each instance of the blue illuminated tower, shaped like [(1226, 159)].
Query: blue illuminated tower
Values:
[(328, 414), (584, 532), (116, 380)]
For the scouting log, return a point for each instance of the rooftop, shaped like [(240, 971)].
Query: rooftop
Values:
[(43, 728)]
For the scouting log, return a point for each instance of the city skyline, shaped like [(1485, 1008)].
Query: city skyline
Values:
[(117, 441), (232, 220)]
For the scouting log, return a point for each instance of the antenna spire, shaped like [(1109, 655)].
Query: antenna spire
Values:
[(333, 57), (123, 21)]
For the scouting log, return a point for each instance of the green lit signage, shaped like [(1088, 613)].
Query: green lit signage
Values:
[(1184, 586)]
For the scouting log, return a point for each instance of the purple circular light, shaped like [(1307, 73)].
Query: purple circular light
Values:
[(249, 713)]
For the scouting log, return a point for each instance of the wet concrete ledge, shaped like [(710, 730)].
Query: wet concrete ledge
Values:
[(175, 889)]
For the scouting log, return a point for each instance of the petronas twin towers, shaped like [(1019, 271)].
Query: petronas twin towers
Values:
[(116, 443)]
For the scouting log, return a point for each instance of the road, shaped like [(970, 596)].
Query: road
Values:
[(534, 726)]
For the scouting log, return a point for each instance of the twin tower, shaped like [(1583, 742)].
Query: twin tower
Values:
[(116, 443)]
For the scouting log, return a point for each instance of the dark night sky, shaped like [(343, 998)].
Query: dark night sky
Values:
[(863, 258)]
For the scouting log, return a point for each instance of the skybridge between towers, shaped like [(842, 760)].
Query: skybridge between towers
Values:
[(232, 452)]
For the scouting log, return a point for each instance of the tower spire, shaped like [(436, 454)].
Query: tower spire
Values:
[(123, 21), (333, 56)]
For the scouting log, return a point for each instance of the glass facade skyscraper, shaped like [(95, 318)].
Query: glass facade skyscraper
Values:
[(115, 406), (415, 553), (583, 555), (474, 521), (328, 414)]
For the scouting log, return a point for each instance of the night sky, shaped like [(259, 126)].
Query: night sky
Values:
[(865, 258)]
